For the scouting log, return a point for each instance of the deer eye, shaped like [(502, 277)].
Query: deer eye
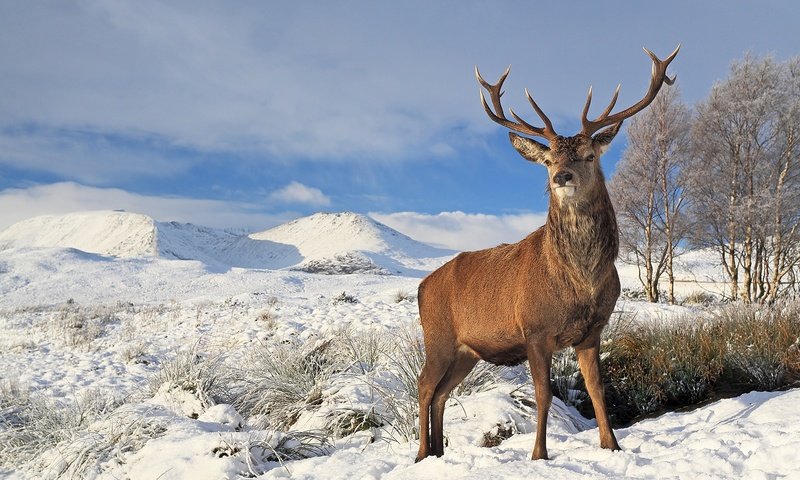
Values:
[(590, 158)]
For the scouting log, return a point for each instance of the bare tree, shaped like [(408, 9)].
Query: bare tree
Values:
[(744, 182), (784, 239), (648, 190)]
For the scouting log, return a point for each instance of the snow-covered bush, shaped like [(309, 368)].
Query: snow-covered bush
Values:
[(190, 382), (102, 443), (403, 296), (261, 449), (277, 382), (344, 297), (401, 398), (343, 422), (700, 297)]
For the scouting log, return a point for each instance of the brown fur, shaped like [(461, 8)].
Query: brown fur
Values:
[(554, 289)]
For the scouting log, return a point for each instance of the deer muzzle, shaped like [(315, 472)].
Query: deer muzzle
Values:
[(564, 186)]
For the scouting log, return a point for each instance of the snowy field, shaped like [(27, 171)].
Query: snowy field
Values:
[(148, 292)]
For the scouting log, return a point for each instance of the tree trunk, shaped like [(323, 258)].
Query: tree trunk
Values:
[(747, 264)]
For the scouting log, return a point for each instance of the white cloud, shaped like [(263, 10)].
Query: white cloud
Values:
[(312, 79), (298, 193), (463, 231), (20, 203)]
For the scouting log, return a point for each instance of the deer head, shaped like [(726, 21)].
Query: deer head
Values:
[(572, 162)]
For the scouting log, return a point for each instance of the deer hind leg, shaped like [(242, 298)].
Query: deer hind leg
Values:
[(589, 360), (462, 364), (539, 359), (430, 376)]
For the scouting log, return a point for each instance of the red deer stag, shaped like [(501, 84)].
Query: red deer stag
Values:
[(552, 290)]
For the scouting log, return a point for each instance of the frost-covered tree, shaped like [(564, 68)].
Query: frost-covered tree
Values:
[(744, 176), (648, 192), (783, 247)]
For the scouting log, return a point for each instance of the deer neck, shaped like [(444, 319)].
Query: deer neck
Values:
[(583, 237)]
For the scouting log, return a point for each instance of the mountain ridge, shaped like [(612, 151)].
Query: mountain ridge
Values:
[(332, 243)]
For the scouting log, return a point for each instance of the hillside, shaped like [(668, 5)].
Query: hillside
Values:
[(111, 233), (336, 243), (339, 242)]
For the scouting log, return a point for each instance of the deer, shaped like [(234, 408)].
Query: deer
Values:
[(554, 289)]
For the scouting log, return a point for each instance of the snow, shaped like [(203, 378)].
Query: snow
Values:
[(322, 243), (334, 235), (122, 274), (753, 436), (111, 233)]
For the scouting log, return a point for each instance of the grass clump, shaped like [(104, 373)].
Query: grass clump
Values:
[(278, 382), (259, 450), (31, 423), (761, 345), (400, 398), (403, 296), (344, 297), (654, 366), (566, 379), (78, 327), (701, 298), (190, 372), (343, 422)]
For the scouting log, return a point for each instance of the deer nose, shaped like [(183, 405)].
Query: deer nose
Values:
[(562, 178)]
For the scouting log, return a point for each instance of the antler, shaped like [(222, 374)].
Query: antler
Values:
[(659, 77), (521, 126)]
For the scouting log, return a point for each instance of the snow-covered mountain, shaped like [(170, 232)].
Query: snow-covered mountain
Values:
[(346, 242), (321, 243), (111, 233)]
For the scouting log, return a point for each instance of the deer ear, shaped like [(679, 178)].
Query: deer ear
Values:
[(604, 137), (530, 149)]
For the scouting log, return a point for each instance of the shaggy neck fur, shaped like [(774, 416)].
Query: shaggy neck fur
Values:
[(583, 235)]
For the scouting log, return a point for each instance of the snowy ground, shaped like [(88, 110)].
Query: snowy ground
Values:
[(155, 307)]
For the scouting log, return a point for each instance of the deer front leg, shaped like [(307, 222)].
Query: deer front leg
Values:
[(539, 360), (589, 361)]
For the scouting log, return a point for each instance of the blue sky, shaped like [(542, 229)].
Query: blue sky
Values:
[(247, 114)]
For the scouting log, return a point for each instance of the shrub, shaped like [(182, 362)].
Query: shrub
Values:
[(122, 432), (345, 421), (261, 449), (344, 297), (653, 365), (762, 344), (498, 434), (484, 376), (650, 366), (363, 348), (699, 297)]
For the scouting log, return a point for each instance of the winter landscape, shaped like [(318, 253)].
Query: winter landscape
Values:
[(139, 349), (180, 300)]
